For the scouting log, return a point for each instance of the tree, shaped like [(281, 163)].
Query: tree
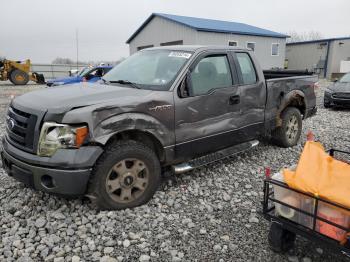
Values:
[(304, 36)]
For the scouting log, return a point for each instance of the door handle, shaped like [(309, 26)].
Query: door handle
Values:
[(234, 100)]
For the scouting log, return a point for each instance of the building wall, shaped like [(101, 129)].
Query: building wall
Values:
[(338, 52), (305, 56), (262, 46), (160, 30)]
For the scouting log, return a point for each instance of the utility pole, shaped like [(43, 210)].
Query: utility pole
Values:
[(77, 45)]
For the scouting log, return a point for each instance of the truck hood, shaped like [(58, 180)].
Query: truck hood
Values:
[(340, 87), (63, 99)]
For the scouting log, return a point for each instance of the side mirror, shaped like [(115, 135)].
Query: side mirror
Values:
[(185, 87), (335, 80)]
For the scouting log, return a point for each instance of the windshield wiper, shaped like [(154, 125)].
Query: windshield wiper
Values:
[(126, 82), (105, 81)]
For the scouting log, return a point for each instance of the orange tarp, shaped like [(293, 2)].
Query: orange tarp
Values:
[(320, 174)]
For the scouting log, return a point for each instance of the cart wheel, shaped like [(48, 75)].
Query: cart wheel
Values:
[(280, 239)]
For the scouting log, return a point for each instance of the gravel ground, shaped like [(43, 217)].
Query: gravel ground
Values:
[(210, 214)]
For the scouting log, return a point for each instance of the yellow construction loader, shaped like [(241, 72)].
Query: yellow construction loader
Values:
[(19, 72)]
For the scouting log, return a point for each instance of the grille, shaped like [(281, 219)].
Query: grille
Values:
[(20, 127), (342, 95)]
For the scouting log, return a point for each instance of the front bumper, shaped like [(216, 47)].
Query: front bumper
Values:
[(66, 173), (338, 102)]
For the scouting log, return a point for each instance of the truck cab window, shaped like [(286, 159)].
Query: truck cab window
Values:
[(247, 68), (211, 72)]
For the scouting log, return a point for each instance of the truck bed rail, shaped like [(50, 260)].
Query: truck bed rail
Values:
[(279, 73)]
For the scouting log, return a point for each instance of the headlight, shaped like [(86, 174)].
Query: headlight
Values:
[(54, 136)]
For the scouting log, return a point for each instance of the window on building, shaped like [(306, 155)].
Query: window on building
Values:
[(275, 49), (232, 43), (144, 47), (247, 68), (251, 45), (179, 42), (210, 73)]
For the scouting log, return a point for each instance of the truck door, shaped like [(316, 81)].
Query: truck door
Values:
[(252, 93), (208, 113)]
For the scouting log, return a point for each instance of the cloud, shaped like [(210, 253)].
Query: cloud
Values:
[(43, 30)]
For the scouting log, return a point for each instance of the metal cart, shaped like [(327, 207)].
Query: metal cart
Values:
[(305, 222)]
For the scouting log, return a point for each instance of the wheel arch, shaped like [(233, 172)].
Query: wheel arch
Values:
[(296, 99), (135, 126), (141, 136)]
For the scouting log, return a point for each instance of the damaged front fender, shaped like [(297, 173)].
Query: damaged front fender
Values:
[(132, 121)]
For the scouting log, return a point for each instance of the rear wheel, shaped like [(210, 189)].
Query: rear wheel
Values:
[(18, 77), (289, 132), (127, 175), (280, 239)]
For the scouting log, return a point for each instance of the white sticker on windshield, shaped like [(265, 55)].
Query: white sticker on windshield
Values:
[(180, 54)]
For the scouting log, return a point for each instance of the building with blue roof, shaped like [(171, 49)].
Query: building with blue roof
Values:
[(166, 29)]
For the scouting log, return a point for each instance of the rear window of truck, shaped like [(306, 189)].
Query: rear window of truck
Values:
[(247, 68)]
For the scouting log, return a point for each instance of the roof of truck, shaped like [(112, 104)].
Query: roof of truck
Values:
[(211, 25), (194, 48)]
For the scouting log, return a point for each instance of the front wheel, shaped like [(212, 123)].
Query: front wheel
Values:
[(127, 175), (289, 132), (18, 77)]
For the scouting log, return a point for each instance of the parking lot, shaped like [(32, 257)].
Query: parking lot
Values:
[(210, 214)]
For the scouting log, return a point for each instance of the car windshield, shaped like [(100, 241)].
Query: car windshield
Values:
[(84, 71), (150, 69), (345, 78)]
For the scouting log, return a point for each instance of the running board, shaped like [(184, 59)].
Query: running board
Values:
[(213, 157)]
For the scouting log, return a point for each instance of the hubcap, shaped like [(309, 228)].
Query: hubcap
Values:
[(19, 78), (127, 180), (292, 128)]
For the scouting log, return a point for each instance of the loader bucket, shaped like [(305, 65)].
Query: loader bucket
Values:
[(38, 78)]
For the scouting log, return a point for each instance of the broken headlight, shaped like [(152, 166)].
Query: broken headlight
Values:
[(54, 136)]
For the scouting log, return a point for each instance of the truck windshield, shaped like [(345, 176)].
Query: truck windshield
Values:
[(345, 78), (150, 69)]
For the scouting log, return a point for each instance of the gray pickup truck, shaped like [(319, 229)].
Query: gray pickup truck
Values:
[(176, 108)]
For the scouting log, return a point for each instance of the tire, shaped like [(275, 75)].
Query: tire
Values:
[(18, 77), (280, 239), (126, 175), (326, 105), (289, 133)]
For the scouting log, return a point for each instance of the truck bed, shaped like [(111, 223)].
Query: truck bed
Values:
[(279, 73), (282, 85)]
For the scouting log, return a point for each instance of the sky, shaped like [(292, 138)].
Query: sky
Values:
[(45, 29)]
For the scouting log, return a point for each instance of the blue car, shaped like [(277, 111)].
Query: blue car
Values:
[(89, 74)]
